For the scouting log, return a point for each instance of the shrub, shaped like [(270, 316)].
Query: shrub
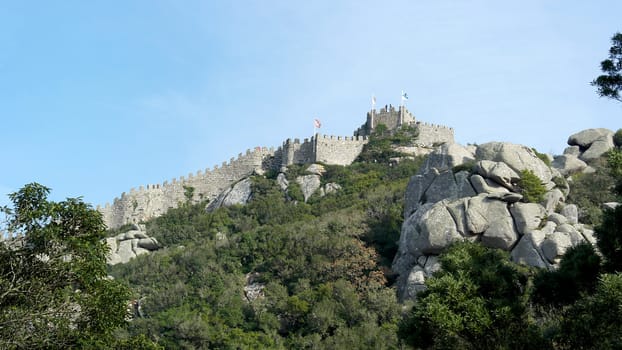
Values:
[(589, 191), (532, 188), (295, 191), (560, 182), (475, 302), (466, 166), (609, 235), (595, 322), (577, 274), (382, 141), (543, 157), (617, 138)]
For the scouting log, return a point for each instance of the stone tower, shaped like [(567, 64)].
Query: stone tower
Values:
[(389, 116)]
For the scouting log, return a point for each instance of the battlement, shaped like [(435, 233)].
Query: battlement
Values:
[(431, 134), (435, 126), (388, 116), (153, 200)]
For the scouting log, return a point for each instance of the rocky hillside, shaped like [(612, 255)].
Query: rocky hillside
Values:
[(477, 193), (322, 256)]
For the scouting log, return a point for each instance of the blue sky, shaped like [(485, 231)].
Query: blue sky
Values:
[(97, 97)]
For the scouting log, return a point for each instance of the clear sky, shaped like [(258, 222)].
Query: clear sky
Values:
[(97, 97)]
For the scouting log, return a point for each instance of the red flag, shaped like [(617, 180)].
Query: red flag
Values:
[(317, 123)]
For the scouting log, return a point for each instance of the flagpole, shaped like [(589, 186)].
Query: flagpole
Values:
[(373, 107)]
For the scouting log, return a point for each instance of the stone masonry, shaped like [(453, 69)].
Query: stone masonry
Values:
[(151, 201)]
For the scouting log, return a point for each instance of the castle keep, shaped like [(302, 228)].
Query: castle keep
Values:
[(154, 200), (392, 118)]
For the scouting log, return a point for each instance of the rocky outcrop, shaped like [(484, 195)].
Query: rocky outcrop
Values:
[(446, 157), (282, 181), (569, 164), (253, 289), (477, 198), (592, 143), (517, 157), (238, 194), (308, 184), (316, 169), (128, 245), (584, 147), (449, 185)]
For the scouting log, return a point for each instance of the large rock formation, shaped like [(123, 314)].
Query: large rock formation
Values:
[(238, 194), (592, 143), (128, 245), (584, 147), (466, 194)]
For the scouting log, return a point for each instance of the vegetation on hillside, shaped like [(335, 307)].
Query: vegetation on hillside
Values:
[(531, 187), (325, 270), (282, 273), (324, 266), (54, 293), (383, 142)]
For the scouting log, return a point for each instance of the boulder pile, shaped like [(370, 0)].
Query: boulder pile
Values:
[(584, 147), (473, 193)]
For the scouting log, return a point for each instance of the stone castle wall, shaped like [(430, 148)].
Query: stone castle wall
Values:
[(431, 134), (294, 152), (338, 150), (152, 201)]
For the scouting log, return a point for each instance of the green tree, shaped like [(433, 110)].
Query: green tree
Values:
[(614, 163), (382, 142), (477, 301), (577, 275), (589, 191), (609, 232), (54, 290), (531, 187), (610, 83), (595, 322), (617, 138), (609, 236)]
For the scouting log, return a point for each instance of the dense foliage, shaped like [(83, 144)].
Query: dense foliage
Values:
[(477, 301), (281, 273), (577, 275), (53, 287), (322, 267), (383, 142)]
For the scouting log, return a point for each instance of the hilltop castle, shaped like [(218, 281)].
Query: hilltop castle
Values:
[(154, 200)]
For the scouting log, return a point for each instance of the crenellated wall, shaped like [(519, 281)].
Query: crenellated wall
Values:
[(391, 117), (154, 200), (295, 152), (430, 134), (151, 201), (338, 150)]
